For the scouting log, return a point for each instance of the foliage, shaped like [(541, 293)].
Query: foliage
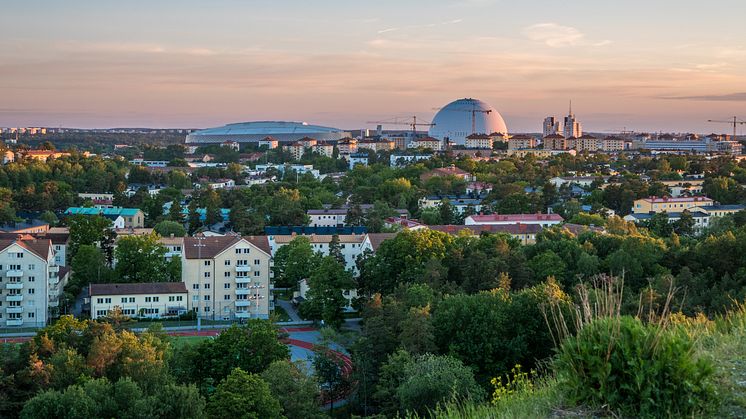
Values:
[(141, 258), (170, 228), (635, 369), (294, 388), (325, 298), (243, 395)]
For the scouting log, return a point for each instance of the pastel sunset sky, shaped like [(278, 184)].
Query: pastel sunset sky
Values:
[(644, 65)]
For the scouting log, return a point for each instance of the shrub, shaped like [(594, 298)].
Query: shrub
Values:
[(635, 369)]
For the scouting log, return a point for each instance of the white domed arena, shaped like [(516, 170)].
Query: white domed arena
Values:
[(464, 117)]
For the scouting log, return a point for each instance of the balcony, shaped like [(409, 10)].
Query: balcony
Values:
[(243, 268), (54, 268), (14, 322), (243, 314), (14, 273), (14, 297), (14, 310), (242, 291), (14, 286), (243, 303), (243, 280)]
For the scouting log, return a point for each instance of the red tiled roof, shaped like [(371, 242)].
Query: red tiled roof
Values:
[(517, 217), (40, 247), (214, 245)]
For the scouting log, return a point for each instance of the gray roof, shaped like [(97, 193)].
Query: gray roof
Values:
[(138, 288)]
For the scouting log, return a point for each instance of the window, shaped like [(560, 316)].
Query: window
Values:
[(207, 298), (19, 256), (195, 286), (101, 312), (227, 285), (227, 262), (107, 300), (207, 274), (256, 273), (31, 267), (242, 262), (132, 299), (226, 297), (31, 279), (155, 299), (226, 274), (31, 290), (179, 298), (147, 299), (207, 286), (100, 300), (256, 261), (195, 298), (31, 315), (238, 251), (208, 262), (124, 299), (171, 298), (207, 309)]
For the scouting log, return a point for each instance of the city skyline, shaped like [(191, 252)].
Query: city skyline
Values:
[(668, 66)]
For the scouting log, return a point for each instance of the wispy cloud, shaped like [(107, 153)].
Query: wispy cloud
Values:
[(728, 97), (424, 25), (557, 36)]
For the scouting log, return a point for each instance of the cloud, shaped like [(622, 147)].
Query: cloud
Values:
[(424, 25), (728, 97), (388, 30), (557, 36)]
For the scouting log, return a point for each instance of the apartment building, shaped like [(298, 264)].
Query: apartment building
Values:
[(295, 149), (481, 141), (377, 145), (153, 300), (520, 142), (426, 142), (337, 217), (269, 142), (324, 148), (29, 281), (656, 204), (351, 246), (347, 146), (228, 277)]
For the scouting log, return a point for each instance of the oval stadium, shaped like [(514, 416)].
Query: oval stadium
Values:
[(464, 117), (246, 132)]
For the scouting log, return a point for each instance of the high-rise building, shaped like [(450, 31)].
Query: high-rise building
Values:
[(572, 127), (551, 126)]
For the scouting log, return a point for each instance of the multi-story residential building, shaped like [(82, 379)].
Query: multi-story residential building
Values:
[(398, 160), (544, 220), (656, 204), (174, 246), (538, 153), (702, 215), (347, 146), (426, 142), (555, 142), (355, 159), (228, 277), (295, 149), (98, 199), (587, 142), (551, 126), (154, 299), (269, 142), (521, 142), (684, 187), (29, 280), (482, 141), (308, 142), (25, 227), (351, 246), (337, 217), (377, 144), (133, 217), (324, 148)]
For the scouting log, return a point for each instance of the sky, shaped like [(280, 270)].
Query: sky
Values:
[(638, 65)]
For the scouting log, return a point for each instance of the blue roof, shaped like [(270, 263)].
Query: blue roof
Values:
[(647, 216), (732, 207), (107, 212)]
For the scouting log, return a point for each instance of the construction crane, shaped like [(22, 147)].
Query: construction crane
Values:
[(410, 122), (474, 112), (735, 122)]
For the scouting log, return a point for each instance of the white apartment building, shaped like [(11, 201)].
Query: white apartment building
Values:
[(29, 281), (228, 277), (154, 299)]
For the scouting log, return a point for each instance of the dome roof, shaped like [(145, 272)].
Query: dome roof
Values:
[(454, 120), (258, 130)]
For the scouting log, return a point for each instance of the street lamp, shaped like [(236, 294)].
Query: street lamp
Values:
[(199, 245)]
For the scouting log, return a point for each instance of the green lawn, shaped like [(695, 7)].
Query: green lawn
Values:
[(181, 341)]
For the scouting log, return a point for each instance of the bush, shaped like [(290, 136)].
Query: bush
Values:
[(635, 369)]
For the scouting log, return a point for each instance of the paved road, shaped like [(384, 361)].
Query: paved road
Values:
[(288, 307)]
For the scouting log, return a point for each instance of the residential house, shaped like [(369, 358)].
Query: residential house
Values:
[(150, 300)]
